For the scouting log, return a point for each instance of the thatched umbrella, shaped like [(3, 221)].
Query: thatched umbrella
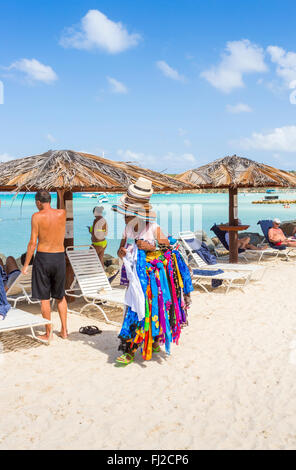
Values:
[(233, 173), (76, 171), (67, 171)]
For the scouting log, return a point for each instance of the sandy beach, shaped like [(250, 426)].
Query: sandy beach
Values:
[(230, 384)]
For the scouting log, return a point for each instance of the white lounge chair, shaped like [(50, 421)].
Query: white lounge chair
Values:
[(93, 283), (21, 289), (232, 279), (244, 253), (19, 320), (255, 271)]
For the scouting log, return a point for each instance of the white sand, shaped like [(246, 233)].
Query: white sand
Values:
[(230, 384)]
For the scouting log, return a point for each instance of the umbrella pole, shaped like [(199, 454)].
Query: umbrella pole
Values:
[(233, 235), (65, 201)]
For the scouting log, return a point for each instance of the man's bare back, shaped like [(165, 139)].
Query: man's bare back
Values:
[(48, 228), (50, 225)]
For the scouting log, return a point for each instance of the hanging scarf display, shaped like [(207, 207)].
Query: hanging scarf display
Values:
[(166, 283)]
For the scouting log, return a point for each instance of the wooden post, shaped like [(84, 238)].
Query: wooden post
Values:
[(233, 221), (65, 201)]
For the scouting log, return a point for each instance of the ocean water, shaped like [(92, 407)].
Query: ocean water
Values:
[(175, 212)]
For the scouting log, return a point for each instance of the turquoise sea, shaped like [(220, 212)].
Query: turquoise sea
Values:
[(175, 212)]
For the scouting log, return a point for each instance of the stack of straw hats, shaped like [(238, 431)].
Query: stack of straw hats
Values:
[(136, 202)]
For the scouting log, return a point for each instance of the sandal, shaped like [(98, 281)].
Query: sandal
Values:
[(125, 359), (156, 349), (89, 330)]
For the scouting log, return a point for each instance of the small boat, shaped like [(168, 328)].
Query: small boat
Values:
[(102, 197), (271, 198), (271, 195), (89, 195)]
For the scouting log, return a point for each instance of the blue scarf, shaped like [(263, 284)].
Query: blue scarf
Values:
[(4, 305)]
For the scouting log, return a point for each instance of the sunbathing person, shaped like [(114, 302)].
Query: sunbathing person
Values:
[(244, 242), (9, 272), (277, 236)]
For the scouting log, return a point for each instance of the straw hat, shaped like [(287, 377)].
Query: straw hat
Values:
[(141, 189), (135, 204), (141, 213)]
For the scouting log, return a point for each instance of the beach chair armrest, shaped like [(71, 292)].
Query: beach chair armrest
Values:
[(71, 293)]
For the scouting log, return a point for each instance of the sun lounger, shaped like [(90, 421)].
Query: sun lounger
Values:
[(229, 278), (277, 250), (253, 270), (19, 320), (91, 278), (21, 289), (242, 253)]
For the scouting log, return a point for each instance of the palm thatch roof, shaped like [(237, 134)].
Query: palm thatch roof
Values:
[(76, 171), (237, 172)]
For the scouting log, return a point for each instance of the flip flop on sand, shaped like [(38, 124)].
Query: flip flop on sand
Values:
[(125, 359), (156, 349), (89, 330)]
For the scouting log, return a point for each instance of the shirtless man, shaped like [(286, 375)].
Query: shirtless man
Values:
[(49, 267), (277, 236)]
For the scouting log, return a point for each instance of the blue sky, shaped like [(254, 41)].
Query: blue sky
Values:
[(168, 84)]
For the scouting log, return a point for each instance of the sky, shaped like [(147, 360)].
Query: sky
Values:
[(167, 84)]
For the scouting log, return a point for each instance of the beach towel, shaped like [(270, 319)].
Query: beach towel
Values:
[(4, 305), (215, 282), (206, 255), (265, 226), (3, 275)]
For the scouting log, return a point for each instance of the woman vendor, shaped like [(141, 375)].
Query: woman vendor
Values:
[(157, 296)]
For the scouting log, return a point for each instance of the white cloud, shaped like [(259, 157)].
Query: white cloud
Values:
[(5, 157), (241, 57), (169, 71), (182, 132), (286, 63), (116, 86), (137, 157), (281, 139), (188, 157), (154, 161), (187, 143), (1, 92), (238, 108), (96, 31), (34, 70), (51, 138)]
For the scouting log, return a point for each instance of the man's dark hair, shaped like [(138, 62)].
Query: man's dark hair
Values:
[(43, 196)]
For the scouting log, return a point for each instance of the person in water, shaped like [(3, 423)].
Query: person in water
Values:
[(99, 232), (48, 228)]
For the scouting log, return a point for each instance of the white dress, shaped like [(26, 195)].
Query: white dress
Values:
[(134, 297)]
